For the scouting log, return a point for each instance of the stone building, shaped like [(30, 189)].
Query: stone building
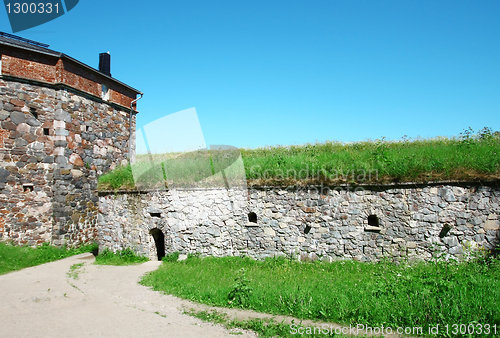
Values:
[(62, 123)]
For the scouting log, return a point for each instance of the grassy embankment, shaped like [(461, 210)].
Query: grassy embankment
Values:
[(396, 295), (13, 258), (469, 157)]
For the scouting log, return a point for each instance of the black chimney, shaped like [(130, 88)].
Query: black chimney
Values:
[(105, 63)]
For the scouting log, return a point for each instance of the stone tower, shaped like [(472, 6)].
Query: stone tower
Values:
[(62, 124)]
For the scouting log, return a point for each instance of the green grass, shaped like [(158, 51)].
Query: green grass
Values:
[(120, 177), (468, 157), (74, 270), (14, 258), (123, 257), (266, 328), (389, 294)]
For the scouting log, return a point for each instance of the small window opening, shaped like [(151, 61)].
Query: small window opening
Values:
[(307, 229), (155, 214), (252, 217), (28, 187), (105, 92), (444, 231), (46, 131), (373, 221), (34, 113)]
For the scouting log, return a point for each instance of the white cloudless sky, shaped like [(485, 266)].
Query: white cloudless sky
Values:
[(291, 72)]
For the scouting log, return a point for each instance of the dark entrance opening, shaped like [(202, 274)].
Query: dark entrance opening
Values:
[(159, 238)]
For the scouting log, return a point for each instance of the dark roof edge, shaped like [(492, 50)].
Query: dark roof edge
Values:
[(39, 50), (64, 56)]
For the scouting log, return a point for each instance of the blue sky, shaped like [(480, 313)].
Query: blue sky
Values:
[(265, 73)]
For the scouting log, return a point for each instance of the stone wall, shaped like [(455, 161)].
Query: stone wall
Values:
[(342, 223), (53, 145)]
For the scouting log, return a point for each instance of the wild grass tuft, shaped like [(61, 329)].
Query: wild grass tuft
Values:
[(14, 257), (74, 270), (120, 177), (122, 257), (172, 257)]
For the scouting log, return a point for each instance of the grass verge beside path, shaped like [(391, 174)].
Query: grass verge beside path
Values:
[(123, 257), (264, 328), (13, 258), (405, 295)]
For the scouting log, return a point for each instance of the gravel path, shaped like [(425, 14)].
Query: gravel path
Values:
[(102, 301)]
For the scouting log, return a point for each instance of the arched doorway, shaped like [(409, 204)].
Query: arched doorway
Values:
[(159, 238)]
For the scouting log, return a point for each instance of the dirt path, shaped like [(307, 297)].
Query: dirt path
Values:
[(103, 301)]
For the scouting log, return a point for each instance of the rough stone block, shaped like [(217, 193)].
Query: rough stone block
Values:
[(432, 218), (411, 245), (76, 173), (491, 225), (20, 142), (309, 209), (451, 241), (8, 106), (62, 115), (269, 232), (61, 132), (8, 125), (17, 102), (33, 122), (17, 117), (4, 115)]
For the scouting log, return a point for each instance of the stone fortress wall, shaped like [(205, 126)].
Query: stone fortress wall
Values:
[(53, 144), (365, 224)]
